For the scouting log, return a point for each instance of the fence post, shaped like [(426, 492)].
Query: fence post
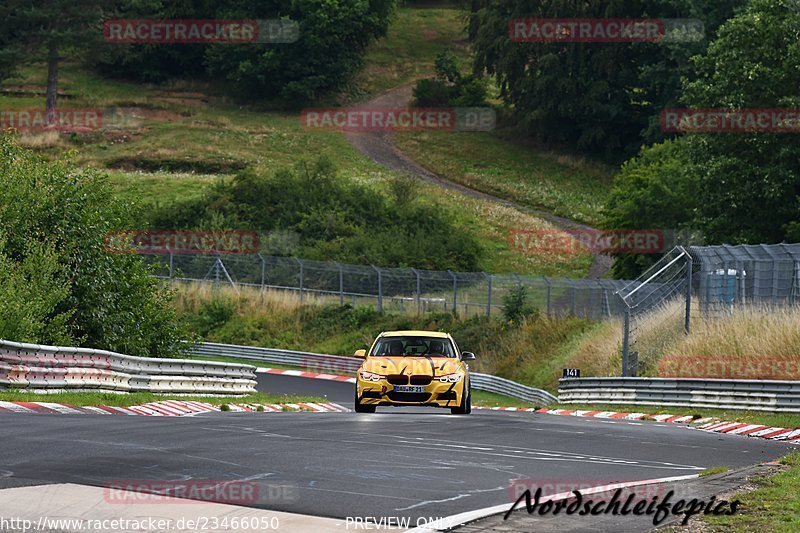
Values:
[(688, 293), (380, 289), (416, 273), (574, 299), (299, 262), (455, 290), (341, 284), (488, 295), (549, 287), (626, 340), (171, 265), (263, 271)]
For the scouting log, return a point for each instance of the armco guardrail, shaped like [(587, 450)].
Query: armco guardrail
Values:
[(337, 364), (488, 383), (33, 366), (745, 394)]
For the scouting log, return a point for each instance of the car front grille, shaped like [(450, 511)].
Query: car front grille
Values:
[(420, 380), (397, 379)]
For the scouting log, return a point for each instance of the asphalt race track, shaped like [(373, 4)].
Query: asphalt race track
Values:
[(398, 462)]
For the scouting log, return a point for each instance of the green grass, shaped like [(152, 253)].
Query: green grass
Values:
[(783, 420), (714, 470), (497, 163), (139, 398), (408, 51), (773, 506), (490, 399)]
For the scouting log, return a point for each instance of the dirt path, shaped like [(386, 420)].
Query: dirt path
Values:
[(380, 148)]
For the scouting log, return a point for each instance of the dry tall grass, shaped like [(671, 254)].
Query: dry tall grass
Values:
[(41, 140), (750, 342)]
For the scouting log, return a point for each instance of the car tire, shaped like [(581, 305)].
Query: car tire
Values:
[(361, 408), (466, 404)]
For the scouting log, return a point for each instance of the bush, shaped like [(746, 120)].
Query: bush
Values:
[(516, 306), (432, 93), (58, 283), (334, 218), (449, 88)]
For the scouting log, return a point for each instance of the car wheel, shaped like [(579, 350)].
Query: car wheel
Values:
[(465, 407), (361, 408)]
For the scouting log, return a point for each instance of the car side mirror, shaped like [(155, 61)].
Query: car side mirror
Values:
[(360, 353), (467, 356)]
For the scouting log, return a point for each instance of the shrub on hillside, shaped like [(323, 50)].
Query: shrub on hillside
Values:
[(449, 87), (57, 282), (335, 218)]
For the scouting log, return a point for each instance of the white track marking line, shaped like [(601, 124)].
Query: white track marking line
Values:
[(449, 522)]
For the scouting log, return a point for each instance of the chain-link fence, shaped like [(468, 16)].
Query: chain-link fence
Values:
[(659, 306), (655, 308), (730, 276), (404, 289)]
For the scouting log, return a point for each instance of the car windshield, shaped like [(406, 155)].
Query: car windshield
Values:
[(414, 346)]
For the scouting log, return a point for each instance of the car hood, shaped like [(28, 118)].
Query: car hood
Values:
[(427, 366)]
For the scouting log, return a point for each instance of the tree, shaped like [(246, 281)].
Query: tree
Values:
[(58, 283), (332, 39), (596, 97), (44, 30), (734, 188), (750, 183)]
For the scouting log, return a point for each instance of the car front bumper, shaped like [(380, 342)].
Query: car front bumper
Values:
[(436, 394)]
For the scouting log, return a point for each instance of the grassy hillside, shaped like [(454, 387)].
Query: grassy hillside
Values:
[(500, 164), (181, 141), (407, 52)]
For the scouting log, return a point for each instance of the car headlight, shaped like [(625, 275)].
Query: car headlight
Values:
[(369, 376), (451, 378)]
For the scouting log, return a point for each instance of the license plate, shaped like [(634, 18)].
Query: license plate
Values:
[(409, 388)]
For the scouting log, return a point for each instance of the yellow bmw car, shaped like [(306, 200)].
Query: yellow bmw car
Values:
[(414, 368)]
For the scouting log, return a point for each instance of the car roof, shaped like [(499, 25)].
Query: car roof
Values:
[(414, 333)]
